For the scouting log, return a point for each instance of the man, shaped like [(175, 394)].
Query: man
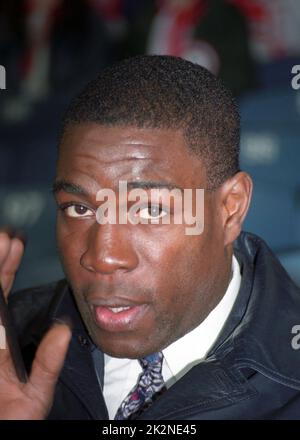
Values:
[(165, 324)]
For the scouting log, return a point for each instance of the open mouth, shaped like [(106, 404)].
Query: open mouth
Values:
[(121, 318)]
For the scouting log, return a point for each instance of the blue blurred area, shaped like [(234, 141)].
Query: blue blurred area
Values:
[(31, 209), (28, 149), (270, 153), (28, 153)]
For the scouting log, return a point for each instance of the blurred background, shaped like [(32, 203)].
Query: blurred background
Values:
[(50, 48)]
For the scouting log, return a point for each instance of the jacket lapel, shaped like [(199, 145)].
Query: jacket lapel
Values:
[(79, 373), (207, 386)]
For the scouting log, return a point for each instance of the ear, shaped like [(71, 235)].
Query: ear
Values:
[(235, 196)]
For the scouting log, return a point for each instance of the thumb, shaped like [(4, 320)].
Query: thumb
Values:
[(48, 363)]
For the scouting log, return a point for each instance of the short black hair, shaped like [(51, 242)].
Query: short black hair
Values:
[(161, 91)]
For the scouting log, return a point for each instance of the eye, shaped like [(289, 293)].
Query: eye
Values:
[(76, 211), (152, 212)]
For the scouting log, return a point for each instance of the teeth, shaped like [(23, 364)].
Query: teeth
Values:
[(118, 309)]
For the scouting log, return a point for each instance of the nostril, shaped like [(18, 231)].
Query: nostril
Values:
[(85, 264)]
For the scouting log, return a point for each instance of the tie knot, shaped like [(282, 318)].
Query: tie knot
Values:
[(151, 360)]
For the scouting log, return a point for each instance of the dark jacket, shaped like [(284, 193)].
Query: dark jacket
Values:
[(252, 372)]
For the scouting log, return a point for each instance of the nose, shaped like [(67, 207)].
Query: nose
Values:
[(109, 249)]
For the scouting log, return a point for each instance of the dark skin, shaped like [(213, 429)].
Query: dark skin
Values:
[(178, 278)]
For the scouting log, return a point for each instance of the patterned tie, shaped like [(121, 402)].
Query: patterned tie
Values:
[(148, 388)]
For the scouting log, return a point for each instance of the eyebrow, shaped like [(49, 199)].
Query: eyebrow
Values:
[(73, 188), (149, 184), (68, 187)]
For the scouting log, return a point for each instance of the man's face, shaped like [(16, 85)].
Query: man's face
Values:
[(169, 280)]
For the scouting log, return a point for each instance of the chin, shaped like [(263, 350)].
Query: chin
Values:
[(121, 349), (120, 352)]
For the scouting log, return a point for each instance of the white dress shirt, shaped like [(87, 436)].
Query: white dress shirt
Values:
[(121, 375)]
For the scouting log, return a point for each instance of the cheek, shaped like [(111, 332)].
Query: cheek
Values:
[(173, 266), (184, 269)]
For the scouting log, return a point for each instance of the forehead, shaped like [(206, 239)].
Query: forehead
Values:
[(107, 154)]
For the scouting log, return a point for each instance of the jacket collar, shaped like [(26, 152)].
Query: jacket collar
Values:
[(259, 332)]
